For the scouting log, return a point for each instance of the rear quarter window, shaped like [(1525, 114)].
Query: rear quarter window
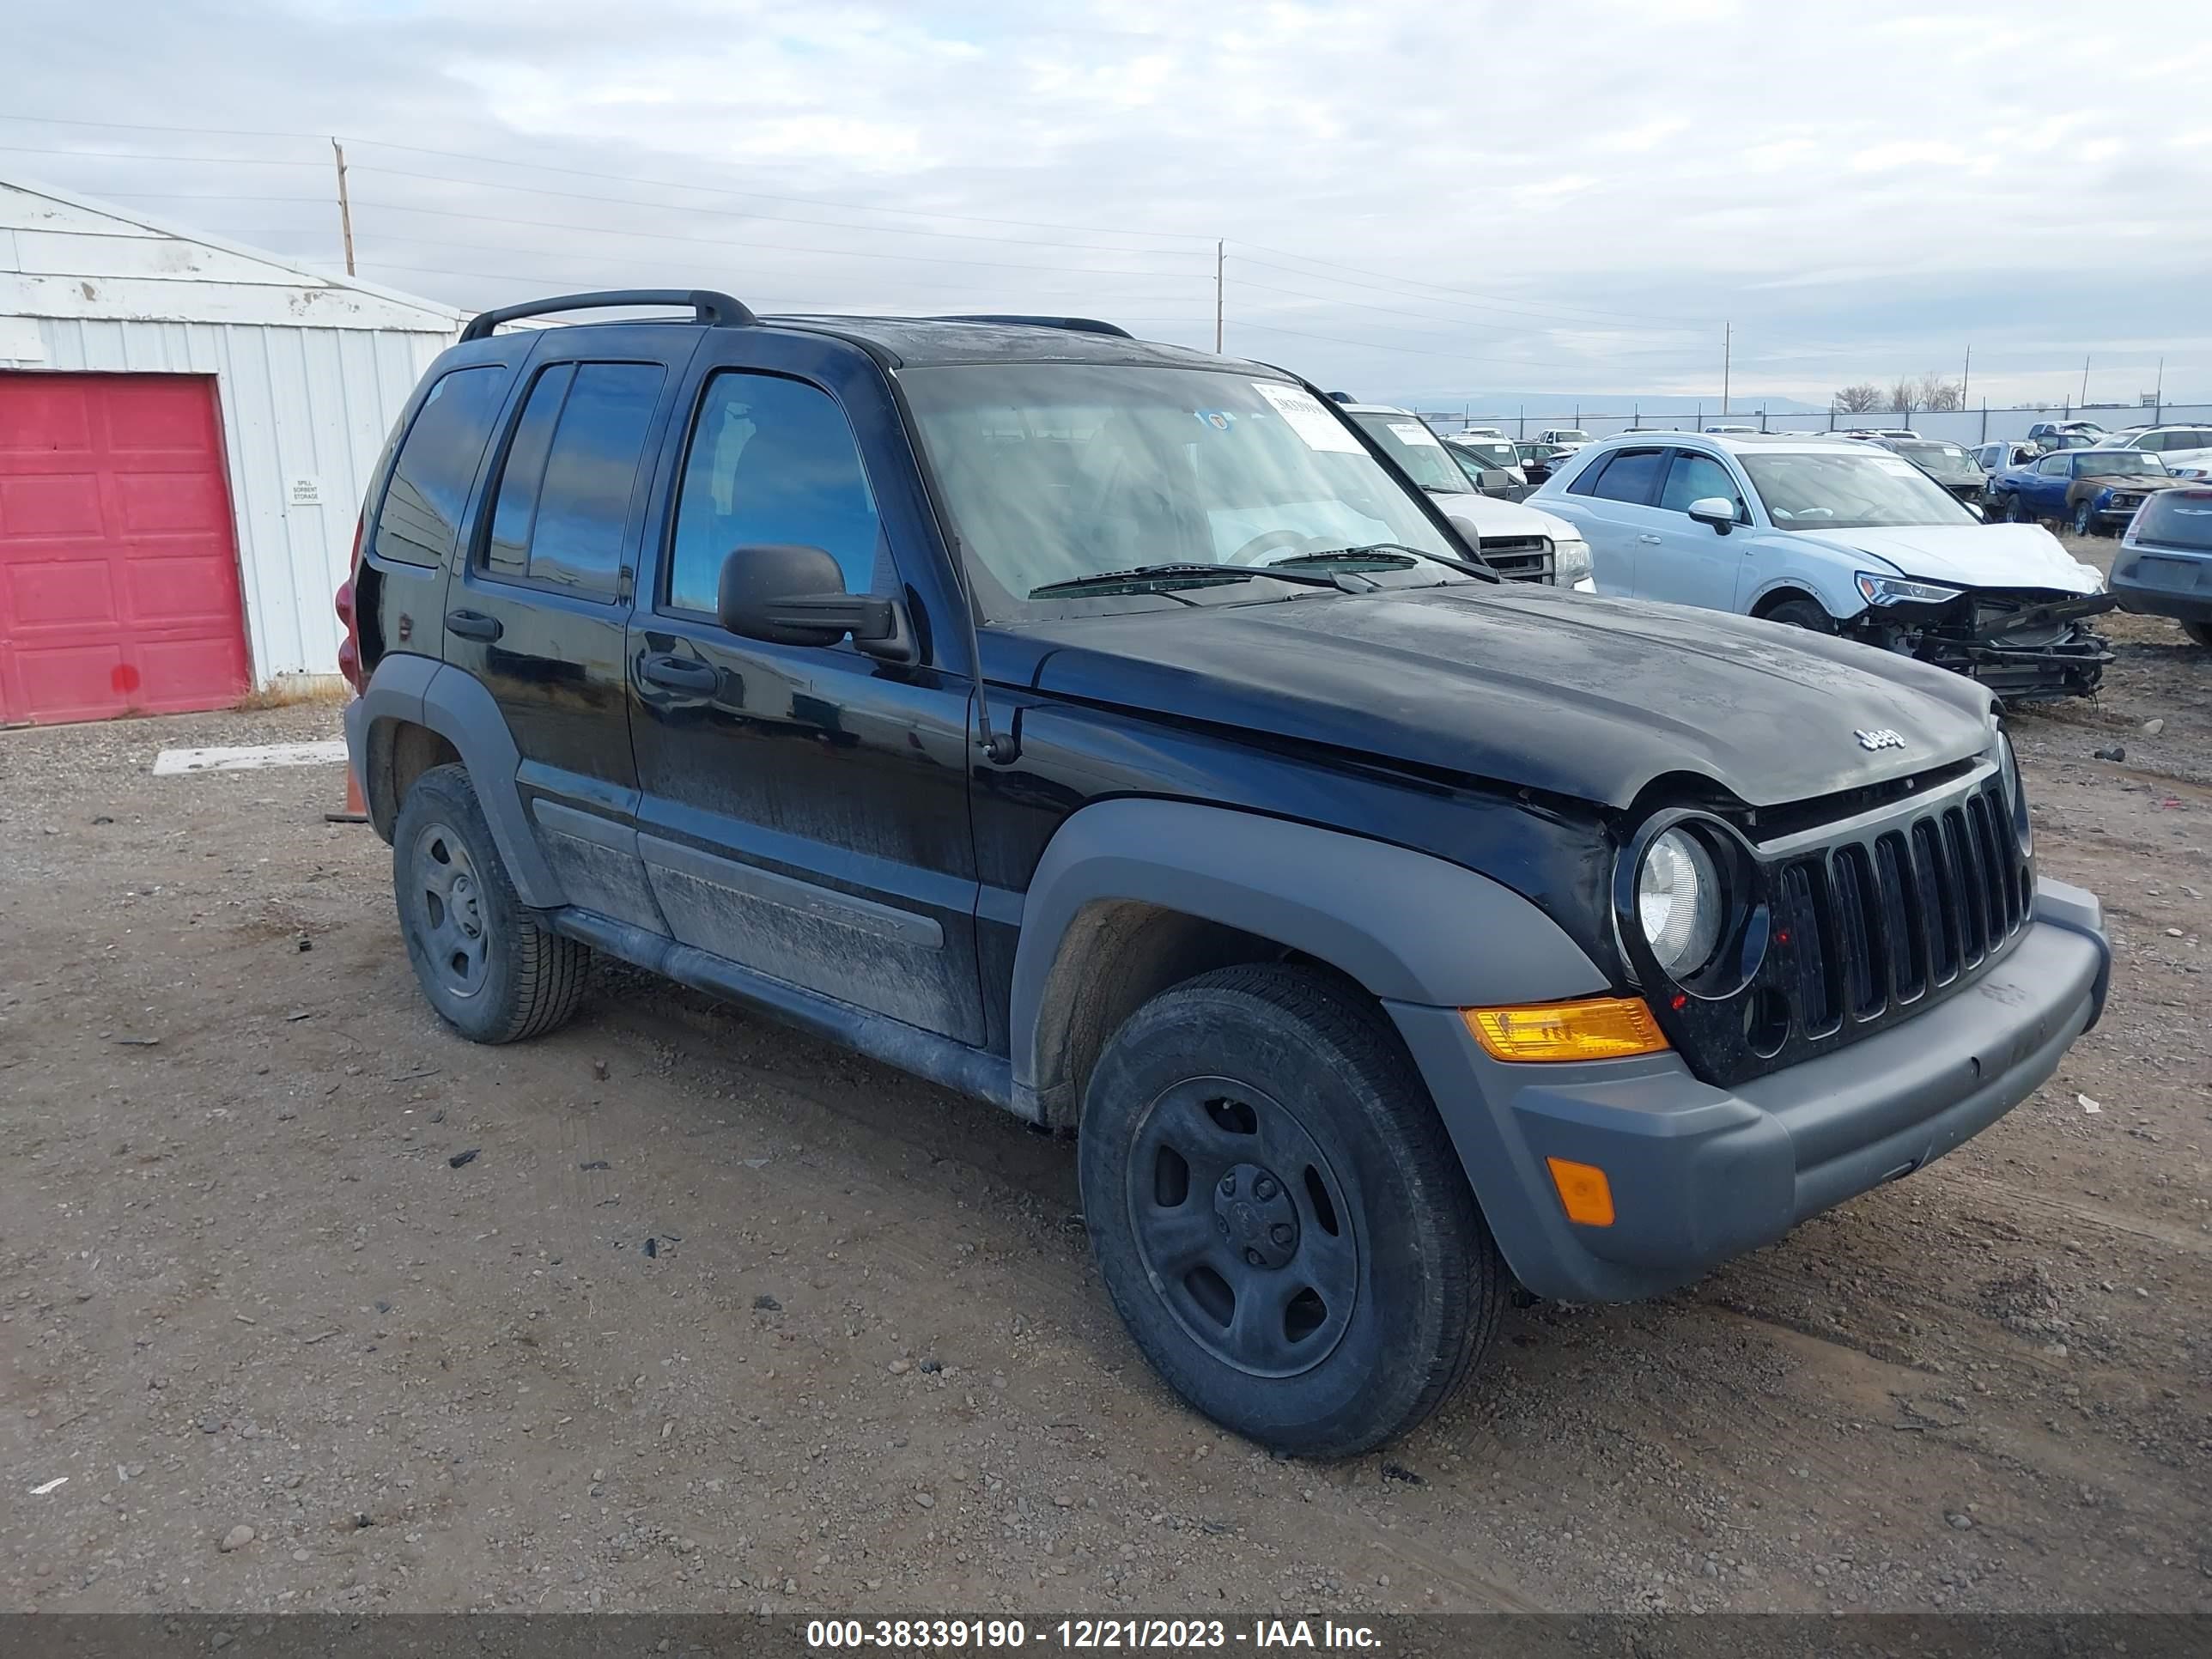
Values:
[(429, 487)]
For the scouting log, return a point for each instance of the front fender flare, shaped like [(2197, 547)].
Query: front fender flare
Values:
[(1408, 927)]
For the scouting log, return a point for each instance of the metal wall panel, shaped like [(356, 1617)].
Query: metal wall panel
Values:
[(309, 405)]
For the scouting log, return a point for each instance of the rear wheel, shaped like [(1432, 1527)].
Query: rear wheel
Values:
[(491, 972), (1802, 613), (2200, 632), (1278, 1215), (2015, 511)]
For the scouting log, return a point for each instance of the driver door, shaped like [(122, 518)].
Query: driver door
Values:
[(804, 809), (1696, 564)]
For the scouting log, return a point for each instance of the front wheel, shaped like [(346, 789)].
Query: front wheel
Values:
[(1802, 613), (2085, 520), (1278, 1214), (2200, 632), (2015, 510)]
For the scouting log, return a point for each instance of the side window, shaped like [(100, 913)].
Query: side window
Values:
[(1695, 478), (564, 489), (1630, 475), (2153, 441), (2054, 465), (430, 485), (772, 460)]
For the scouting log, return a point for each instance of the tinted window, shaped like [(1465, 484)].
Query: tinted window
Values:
[(2176, 518), (430, 481), (1629, 476), (1695, 478), (564, 491), (2051, 464), (772, 460)]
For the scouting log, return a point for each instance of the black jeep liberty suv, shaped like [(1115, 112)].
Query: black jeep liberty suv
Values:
[(1113, 732)]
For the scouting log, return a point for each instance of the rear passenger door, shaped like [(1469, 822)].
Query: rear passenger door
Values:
[(1615, 493), (804, 809), (540, 608)]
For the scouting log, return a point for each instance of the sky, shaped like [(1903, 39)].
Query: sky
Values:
[(1445, 204)]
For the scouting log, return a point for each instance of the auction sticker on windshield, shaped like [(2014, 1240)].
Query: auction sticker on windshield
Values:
[(1306, 417), (1413, 432), (1891, 464)]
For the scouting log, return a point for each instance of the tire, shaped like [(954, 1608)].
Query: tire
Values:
[(2200, 632), (2014, 512), (1803, 613), (489, 971), (1346, 1224), (2085, 519)]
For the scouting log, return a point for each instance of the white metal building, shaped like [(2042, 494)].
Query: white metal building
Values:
[(186, 427)]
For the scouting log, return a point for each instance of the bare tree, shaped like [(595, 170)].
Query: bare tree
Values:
[(1859, 399), (1904, 398), (1939, 395)]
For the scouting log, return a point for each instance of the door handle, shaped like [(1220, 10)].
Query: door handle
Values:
[(682, 673), (473, 625), (1646, 536)]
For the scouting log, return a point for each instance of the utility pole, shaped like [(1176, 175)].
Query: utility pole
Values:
[(1967, 378), (2085, 380), (346, 206), (1220, 258), (1728, 353), (2158, 397)]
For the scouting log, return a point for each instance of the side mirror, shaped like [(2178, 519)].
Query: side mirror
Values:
[(795, 595), (1715, 510)]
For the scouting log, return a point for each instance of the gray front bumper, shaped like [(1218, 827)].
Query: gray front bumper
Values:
[(1700, 1173)]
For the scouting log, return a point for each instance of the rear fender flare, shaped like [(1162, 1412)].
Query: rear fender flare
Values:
[(457, 706)]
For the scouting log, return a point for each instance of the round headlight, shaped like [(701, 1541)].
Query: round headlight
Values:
[(2015, 794), (1679, 901)]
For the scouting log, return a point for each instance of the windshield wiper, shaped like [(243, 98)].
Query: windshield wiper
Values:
[(1161, 575), (1373, 548)]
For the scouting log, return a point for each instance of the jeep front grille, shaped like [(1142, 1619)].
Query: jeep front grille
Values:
[(1875, 921), (1519, 558)]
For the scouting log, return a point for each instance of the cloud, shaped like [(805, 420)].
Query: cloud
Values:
[(1419, 202)]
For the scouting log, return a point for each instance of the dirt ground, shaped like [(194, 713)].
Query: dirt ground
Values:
[(720, 1317)]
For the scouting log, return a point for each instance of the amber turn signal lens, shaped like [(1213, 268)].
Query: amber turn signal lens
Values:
[(1596, 1028), (1584, 1192)]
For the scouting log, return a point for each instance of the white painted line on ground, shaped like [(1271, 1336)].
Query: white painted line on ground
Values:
[(172, 762)]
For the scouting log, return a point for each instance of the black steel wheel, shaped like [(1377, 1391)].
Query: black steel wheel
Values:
[(1242, 1227), (1278, 1214), (482, 960)]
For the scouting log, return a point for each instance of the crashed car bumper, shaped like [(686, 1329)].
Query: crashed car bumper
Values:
[(2023, 648)]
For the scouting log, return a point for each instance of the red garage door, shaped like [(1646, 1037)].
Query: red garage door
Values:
[(118, 573)]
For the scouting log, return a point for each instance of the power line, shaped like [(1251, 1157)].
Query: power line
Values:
[(1699, 322), (1415, 351), (140, 156), (775, 218), (733, 241)]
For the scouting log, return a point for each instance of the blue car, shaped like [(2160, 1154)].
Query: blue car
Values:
[(2093, 491)]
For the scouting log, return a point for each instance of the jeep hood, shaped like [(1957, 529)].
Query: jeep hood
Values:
[(1528, 686), (1967, 554)]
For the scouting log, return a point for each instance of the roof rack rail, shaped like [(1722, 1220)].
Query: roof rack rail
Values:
[(712, 309), (1077, 324)]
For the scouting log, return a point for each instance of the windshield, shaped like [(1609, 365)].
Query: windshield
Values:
[(1490, 452), (1944, 460), (1817, 491), (2098, 463), (1408, 441), (1052, 472)]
